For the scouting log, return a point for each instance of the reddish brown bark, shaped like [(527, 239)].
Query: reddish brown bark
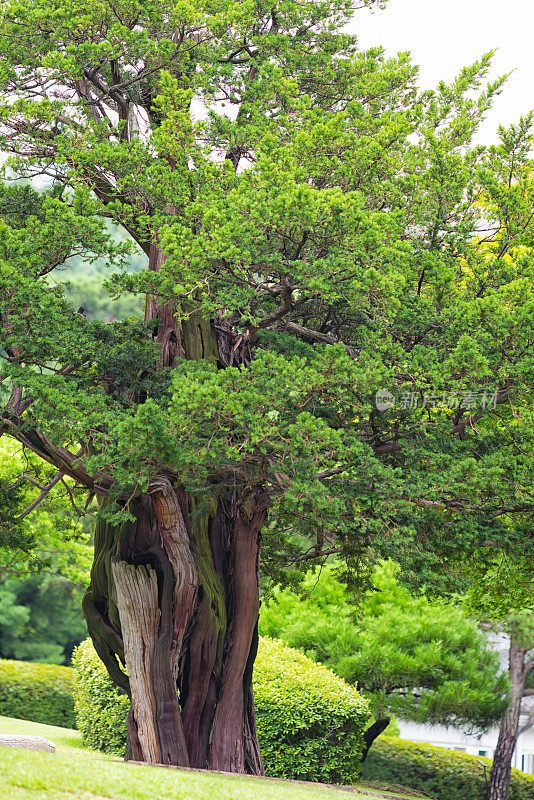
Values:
[(177, 601), (499, 781), (230, 747)]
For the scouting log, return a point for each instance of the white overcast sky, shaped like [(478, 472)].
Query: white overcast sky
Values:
[(444, 35)]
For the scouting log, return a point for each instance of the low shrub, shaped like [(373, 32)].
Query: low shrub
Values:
[(37, 692), (101, 708), (310, 722), (442, 774)]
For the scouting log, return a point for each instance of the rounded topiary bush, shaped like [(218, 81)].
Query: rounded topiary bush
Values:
[(310, 722), (100, 707), (440, 773), (37, 692)]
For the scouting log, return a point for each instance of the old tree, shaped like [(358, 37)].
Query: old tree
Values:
[(316, 230)]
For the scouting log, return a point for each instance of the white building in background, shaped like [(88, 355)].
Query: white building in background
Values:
[(477, 744)]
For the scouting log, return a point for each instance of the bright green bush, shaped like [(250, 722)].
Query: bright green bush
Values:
[(101, 708), (442, 774), (310, 722), (37, 692)]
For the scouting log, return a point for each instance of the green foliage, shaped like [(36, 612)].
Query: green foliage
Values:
[(414, 658), (85, 283), (51, 537), (310, 722), (442, 774), (85, 290), (501, 587), (100, 707), (520, 626), (339, 222), (38, 692), (40, 619), (13, 616)]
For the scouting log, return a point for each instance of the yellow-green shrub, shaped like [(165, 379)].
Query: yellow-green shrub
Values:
[(101, 708), (37, 692), (310, 722), (442, 774)]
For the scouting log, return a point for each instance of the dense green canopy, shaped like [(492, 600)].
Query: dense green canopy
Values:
[(310, 200), (336, 350)]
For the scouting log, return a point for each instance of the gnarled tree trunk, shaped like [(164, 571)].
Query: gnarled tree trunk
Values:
[(174, 596)]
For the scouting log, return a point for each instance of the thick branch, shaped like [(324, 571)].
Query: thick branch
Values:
[(372, 733), (315, 336), (61, 458)]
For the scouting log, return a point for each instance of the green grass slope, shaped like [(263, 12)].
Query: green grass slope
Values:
[(75, 773)]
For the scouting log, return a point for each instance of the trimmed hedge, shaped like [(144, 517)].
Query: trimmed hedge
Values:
[(442, 774), (310, 722), (101, 708), (37, 692)]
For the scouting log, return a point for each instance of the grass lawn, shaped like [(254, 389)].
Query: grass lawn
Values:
[(76, 773)]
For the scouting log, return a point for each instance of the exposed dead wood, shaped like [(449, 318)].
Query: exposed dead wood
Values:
[(156, 711)]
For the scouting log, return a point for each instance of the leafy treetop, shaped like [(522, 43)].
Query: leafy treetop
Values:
[(305, 196)]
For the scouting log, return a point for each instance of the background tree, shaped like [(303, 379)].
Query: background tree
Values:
[(45, 560), (40, 619), (501, 593), (414, 658), (315, 233), (520, 628), (42, 527)]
